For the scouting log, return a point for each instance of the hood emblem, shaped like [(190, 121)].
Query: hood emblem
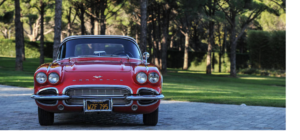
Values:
[(97, 76)]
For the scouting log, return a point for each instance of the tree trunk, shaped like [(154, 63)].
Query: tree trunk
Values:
[(150, 42), (165, 38), (158, 42), (96, 27), (154, 58), (103, 5), (186, 52), (143, 44), (5, 33), (136, 34), (18, 37), (42, 33), (23, 45), (222, 48), (210, 47), (69, 21), (82, 19), (57, 28), (233, 51), (92, 10)]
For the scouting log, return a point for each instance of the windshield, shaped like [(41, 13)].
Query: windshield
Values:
[(95, 47)]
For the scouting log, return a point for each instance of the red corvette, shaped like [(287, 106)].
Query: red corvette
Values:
[(94, 73)]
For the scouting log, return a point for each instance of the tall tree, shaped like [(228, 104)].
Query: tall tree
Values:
[(210, 12), (167, 7), (42, 11), (6, 17), (81, 16), (41, 6), (244, 11), (143, 44), (6, 23), (102, 10), (18, 36), (57, 28), (187, 11)]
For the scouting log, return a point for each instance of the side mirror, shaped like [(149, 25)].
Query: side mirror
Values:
[(146, 55)]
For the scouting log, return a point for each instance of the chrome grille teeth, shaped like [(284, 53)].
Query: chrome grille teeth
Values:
[(97, 91)]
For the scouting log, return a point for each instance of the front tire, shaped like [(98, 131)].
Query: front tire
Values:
[(151, 119), (45, 117)]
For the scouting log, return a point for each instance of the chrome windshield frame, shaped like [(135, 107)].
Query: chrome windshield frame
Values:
[(100, 37)]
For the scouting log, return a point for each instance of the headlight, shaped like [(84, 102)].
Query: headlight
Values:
[(141, 77), (153, 77), (53, 78), (41, 77)]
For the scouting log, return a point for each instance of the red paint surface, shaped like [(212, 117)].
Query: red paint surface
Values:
[(113, 71)]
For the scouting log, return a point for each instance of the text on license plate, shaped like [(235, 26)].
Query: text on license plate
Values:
[(98, 105)]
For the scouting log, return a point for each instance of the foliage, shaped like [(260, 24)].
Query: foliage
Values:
[(263, 72), (197, 60), (7, 18), (267, 49), (7, 48), (122, 17), (275, 18)]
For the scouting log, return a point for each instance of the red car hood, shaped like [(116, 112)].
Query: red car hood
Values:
[(99, 65)]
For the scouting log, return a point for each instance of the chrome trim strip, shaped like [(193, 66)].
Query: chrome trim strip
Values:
[(146, 97), (148, 104), (137, 92), (102, 36), (147, 89), (65, 97), (43, 90), (50, 97), (90, 86), (47, 89), (97, 97), (48, 104), (95, 86), (64, 102), (49, 67)]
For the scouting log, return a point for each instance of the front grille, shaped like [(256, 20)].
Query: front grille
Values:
[(48, 92), (80, 101), (146, 92), (98, 91)]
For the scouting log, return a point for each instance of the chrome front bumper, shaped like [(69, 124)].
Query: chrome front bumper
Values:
[(65, 97)]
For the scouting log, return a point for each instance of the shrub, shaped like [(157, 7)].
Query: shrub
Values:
[(263, 72), (267, 49), (8, 49)]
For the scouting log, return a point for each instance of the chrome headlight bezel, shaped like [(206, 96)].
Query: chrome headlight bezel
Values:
[(41, 77), (141, 77), (53, 78), (153, 77)]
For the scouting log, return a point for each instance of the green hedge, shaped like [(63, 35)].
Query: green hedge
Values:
[(197, 60), (267, 49), (7, 48)]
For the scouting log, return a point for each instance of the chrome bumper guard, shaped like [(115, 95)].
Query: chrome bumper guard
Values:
[(65, 97)]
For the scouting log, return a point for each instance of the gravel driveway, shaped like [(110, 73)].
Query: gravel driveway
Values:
[(19, 112)]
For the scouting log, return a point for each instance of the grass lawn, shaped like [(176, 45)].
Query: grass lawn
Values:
[(196, 86), (15, 78), (181, 85)]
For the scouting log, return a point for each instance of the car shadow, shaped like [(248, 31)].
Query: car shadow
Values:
[(107, 119)]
